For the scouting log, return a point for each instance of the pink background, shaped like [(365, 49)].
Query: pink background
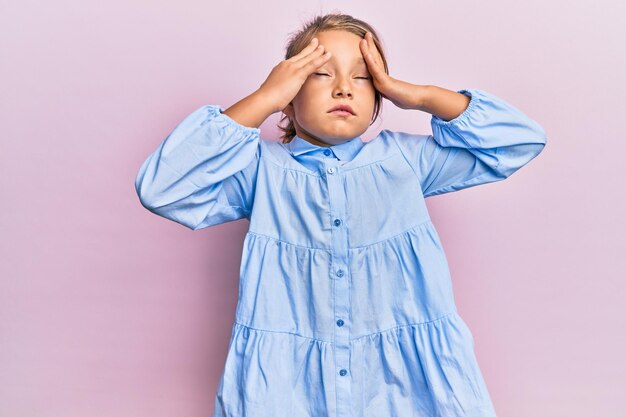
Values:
[(109, 310)]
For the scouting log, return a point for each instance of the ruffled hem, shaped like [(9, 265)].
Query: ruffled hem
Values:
[(426, 369), (288, 286)]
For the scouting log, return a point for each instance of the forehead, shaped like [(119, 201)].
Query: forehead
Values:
[(343, 45)]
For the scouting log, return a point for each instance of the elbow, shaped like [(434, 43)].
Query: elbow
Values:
[(152, 193), (521, 156), (537, 148), (145, 201), (145, 194), (532, 145)]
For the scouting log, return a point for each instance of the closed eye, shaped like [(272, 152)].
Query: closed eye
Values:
[(319, 73)]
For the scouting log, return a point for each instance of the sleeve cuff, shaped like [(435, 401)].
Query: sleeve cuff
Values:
[(216, 111), (435, 120)]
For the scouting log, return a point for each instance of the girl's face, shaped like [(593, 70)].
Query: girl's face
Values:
[(343, 79)]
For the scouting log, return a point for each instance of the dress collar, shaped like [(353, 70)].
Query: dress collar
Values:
[(343, 151)]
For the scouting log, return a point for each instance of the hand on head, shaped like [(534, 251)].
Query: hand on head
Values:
[(285, 80)]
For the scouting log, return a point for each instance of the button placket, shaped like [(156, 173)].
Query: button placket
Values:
[(341, 285)]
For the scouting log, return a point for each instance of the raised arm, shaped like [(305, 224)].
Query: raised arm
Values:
[(487, 142), (204, 172)]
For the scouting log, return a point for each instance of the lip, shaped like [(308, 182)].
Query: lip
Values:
[(342, 110), (341, 113)]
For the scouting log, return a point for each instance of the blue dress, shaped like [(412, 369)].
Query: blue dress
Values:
[(345, 301)]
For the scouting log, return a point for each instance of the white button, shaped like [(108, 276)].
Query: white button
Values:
[(331, 170)]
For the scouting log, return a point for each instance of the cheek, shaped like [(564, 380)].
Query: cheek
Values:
[(371, 95), (307, 94)]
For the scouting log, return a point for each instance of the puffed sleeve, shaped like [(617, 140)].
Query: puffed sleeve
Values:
[(488, 142), (204, 172)]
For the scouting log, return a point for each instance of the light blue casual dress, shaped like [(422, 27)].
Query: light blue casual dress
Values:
[(345, 304)]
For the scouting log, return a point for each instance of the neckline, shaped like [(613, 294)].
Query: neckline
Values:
[(345, 166), (345, 151)]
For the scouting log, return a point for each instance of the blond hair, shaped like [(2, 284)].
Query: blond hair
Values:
[(332, 21)]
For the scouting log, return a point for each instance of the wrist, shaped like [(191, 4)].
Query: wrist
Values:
[(267, 100), (420, 94)]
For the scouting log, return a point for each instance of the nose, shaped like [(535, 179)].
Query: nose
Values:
[(342, 89)]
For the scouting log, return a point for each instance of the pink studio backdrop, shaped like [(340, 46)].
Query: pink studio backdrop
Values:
[(107, 310)]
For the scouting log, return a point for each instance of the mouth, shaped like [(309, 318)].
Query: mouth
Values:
[(341, 113), (341, 110)]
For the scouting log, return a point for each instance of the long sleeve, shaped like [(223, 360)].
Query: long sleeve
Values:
[(488, 142), (204, 172)]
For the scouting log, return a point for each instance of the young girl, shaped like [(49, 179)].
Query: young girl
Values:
[(345, 301)]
